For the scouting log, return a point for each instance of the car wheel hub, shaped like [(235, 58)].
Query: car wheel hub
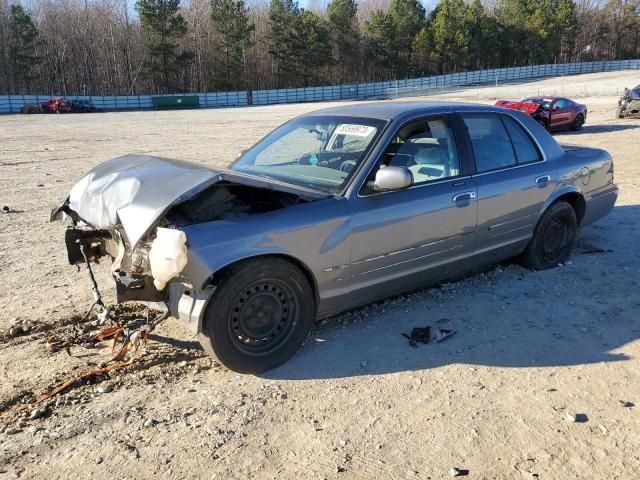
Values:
[(262, 317)]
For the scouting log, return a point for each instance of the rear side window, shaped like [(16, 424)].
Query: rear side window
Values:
[(526, 151), (491, 143)]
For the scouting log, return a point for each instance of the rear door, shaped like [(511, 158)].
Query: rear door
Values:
[(512, 176), (400, 237)]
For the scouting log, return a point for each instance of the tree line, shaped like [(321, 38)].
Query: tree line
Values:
[(124, 47)]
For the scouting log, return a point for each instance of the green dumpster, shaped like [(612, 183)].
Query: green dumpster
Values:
[(174, 102)]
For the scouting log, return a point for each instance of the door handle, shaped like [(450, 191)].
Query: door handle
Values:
[(464, 196), (543, 179)]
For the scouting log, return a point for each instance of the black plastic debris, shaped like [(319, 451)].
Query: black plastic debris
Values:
[(596, 250), (8, 209), (428, 335)]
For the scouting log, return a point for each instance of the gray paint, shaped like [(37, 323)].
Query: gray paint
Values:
[(360, 247)]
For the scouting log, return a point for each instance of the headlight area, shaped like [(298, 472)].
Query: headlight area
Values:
[(141, 273)]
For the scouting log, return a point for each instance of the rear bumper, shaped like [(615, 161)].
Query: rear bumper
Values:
[(599, 203)]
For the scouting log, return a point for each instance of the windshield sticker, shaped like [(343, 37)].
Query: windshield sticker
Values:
[(356, 130)]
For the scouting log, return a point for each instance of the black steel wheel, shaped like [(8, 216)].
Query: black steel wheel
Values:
[(263, 316), (553, 237), (260, 314)]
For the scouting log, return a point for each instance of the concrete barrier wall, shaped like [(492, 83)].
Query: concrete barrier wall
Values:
[(359, 91)]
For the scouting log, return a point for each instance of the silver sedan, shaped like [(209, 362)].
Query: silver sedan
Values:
[(332, 210)]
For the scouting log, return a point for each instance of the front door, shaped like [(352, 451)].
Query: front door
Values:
[(561, 115), (402, 237)]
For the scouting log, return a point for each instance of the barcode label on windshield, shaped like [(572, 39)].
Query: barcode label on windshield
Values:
[(356, 130)]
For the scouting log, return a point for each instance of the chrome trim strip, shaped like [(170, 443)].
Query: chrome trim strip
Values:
[(529, 225), (491, 227), (410, 260), (396, 252)]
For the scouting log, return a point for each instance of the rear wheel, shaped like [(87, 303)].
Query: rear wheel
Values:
[(578, 122), (260, 315), (553, 237)]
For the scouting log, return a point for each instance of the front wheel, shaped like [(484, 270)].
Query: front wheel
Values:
[(553, 237), (260, 315)]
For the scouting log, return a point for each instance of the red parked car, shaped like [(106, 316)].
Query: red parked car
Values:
[(56, 105), (553, 113)]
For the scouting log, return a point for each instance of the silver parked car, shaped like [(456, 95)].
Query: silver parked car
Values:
[(332, 210)]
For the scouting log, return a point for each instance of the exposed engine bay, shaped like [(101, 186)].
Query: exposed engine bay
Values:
[(143, 265)]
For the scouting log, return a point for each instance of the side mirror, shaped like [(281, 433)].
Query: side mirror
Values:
[(392, 178), (241, 152), (555, 107)]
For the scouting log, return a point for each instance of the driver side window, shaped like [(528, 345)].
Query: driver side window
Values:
[(427, 148)]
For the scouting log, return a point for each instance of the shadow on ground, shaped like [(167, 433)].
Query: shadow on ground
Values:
[(602, 128), (509, 325)]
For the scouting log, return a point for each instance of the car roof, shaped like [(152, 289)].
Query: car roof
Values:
[(389, 110)]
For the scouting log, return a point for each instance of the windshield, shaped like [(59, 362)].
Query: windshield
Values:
[(545, 102), (320, 152)]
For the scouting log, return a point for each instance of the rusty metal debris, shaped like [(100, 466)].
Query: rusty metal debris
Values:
[(87, 341), (133, 345), (97, 297)]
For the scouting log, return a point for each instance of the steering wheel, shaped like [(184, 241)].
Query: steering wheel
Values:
[(347, 166)]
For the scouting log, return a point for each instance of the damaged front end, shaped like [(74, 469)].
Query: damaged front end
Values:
[(131, 210), (537, 111)]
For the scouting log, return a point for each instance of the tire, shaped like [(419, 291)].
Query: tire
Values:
[(259, 316), (553, 237), (619, 112), (578, 122)]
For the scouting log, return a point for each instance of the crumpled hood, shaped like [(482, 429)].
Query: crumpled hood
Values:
[(137, 190)]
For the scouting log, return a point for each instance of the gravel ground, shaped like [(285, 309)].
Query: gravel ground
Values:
[(541, 380)]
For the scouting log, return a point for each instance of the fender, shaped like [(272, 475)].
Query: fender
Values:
[(563, 190), (189, 305)]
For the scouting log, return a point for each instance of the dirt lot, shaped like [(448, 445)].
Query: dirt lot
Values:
[(534, 351)]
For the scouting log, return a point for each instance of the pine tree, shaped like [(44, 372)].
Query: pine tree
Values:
[(421, 53), (345, 38), (231, 23), (282, 15), (381, 44), (311, 48), (408, 18), (450, 35), (23, 46), (163, 25)]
